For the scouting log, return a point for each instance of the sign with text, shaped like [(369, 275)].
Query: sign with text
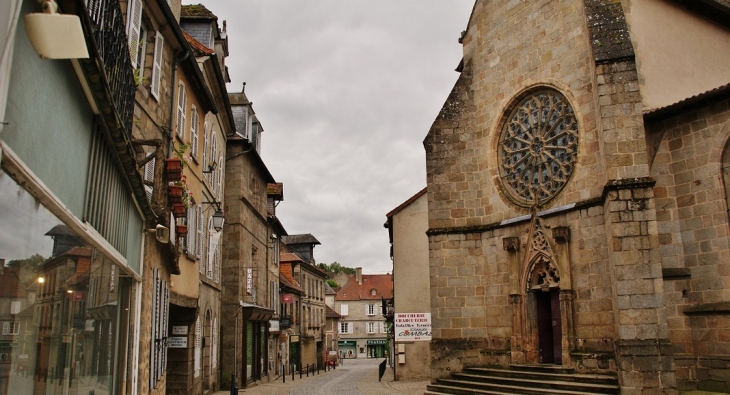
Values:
[(177, 342), (287, 298), (179, 330), (249, 281), (412, 327)]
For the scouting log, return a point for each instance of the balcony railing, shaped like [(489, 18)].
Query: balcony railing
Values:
[(111, 43)]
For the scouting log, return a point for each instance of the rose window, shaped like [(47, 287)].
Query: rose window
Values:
[(538, 148)]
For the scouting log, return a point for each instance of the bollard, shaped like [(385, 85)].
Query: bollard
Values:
[(300, 371), (381, 370), (234, 384), (307, 370), (292, 373), (283, 373)]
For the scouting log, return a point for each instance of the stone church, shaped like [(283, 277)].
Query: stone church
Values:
[(578, 193)]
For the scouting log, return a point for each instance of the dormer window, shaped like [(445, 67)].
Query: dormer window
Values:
[(372, 292)]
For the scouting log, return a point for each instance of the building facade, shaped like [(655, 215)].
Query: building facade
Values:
[(576, 197), (363, 332), (407, 225)]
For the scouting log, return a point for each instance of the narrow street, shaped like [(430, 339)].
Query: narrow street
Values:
[(354, 377)]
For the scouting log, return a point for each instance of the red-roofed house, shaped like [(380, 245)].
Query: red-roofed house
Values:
[(363, 332)]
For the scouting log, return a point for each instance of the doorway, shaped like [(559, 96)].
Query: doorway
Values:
[(549, 326)]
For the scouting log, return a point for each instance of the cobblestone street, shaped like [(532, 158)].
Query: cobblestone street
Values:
[(355, 377)]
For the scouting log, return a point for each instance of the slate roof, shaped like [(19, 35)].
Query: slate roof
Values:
[(328, 290), (306, 238), (197, 11), (382, 283), (198, 48)]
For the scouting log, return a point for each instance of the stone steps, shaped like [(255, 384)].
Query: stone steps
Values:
[(526, 380)]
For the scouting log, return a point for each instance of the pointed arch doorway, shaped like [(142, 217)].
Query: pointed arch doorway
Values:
[(545, 290)]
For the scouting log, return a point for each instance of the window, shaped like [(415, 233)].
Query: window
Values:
[(373, 292), (182, 102), (190, 242), (371, 327), (11, 328), (382, 327), (15, 307), (206, 132), (370, 309), (345, 327), (343, 309), (213, 156), (157, 66), (139, 50)]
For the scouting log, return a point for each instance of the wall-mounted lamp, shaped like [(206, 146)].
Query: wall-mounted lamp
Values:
[(211, 168), (54, 35), (41, 280), (218, 218)]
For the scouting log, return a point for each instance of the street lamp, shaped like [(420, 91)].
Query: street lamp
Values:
[(218, 220)]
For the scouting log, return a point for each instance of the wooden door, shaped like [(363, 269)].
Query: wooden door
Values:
[(549, 326)]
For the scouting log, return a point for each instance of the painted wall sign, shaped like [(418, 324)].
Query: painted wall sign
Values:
[(177, 342), (249, 281), (371, 342), (412, 326)]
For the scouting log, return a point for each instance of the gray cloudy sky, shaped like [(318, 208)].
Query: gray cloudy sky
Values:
[(346, 91)]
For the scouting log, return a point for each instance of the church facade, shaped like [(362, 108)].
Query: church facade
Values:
[(578, 191)]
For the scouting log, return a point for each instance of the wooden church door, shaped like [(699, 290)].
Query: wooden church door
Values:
[(549, 326)]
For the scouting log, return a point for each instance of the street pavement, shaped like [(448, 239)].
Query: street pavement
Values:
[(354, 377)]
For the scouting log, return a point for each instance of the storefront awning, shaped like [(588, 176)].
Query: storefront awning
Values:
[(252, 312)]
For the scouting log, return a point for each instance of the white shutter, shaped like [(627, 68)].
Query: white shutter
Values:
[(213, 155), (211, 250), (181, 104), (149, 175), (214, 344), (220, 176), (205, 145), (134, 22), (15, 307), (157, 66), (194, 134), (199, 225), (343, 309), (197, 349), (191, 242), (6, 327)]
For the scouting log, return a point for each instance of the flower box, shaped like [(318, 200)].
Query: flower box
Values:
[(176, 194), (179, 210), (173, 168), (181, 230)]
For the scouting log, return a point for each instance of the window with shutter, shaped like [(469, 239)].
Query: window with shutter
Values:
[(6, 328), (220, 176), (194, 132), (343, 309), (209, 261), (157, 66), (160, 302), (214, 345), (134, 24), (181, 104)]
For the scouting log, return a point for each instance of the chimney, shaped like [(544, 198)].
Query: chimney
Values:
[(358, 275)]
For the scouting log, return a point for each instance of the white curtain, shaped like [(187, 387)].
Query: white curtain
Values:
[(8, 26)]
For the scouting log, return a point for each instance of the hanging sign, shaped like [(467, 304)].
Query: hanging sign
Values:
[(249, 281), (287, 298), (412, 326)]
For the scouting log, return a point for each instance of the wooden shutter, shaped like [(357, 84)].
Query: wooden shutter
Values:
[(181, 104), (134, 23), (191, 242), (196, 357), (157, 66), (149, 175), (343, 309), (205, 145), (199, 225)]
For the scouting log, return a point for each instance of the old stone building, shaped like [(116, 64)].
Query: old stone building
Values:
[(577, 193)]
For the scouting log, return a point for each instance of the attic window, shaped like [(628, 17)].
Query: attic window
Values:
[(372, 292)]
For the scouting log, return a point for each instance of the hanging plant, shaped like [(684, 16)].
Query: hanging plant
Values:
[(179, 210), (180, 193)]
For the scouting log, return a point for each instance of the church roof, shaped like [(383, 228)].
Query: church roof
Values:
[(306, 238), (712, 94)]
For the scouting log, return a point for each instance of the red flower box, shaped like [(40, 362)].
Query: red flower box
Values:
[(179, 210), (173, 168), (176, 194), (182, 230)]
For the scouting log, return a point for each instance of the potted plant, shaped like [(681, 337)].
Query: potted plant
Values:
[(181, 230), (179, 193), (179, 210), (174, 165)]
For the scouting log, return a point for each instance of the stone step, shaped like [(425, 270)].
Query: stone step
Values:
[(544, 375), (530, 383), (525, 380)]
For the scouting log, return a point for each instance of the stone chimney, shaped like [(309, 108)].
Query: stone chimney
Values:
[(358, 275)]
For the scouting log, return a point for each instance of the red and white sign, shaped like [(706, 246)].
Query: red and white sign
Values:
[(287, 298)]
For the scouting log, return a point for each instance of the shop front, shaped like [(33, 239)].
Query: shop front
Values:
[(347, 348), (376, 348)]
